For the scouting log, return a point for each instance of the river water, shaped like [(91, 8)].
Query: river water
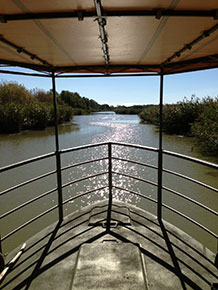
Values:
[(102, 128)]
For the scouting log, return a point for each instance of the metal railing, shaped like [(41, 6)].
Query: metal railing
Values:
[(110, 158)]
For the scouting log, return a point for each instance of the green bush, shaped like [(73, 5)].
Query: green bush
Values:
[(78, 111), (64, 113), (35, 116), (11, 118), (21, 109), (191, 118), (150, 115), (67, 112), (42, 96), (178, 119), (206, 127), (13, 93)]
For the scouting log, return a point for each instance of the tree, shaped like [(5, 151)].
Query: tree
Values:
[(13, 92)]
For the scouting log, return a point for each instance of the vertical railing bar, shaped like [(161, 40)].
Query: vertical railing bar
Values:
[(58, 158), (160, 152), (110, 186), (1, 245)]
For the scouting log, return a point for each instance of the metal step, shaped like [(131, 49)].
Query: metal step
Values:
[(109, 265)]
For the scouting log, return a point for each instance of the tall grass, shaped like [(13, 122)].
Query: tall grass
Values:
[(205, 129), (195, 117)]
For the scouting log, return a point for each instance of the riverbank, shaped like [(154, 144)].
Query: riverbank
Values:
[(189, 118), (22, 109)]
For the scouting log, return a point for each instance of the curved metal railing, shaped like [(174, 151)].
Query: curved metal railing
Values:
[(111, 185)]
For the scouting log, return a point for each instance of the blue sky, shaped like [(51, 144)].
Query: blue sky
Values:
[(130, 90)]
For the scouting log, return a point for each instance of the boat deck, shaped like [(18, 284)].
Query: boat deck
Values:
[(138, 252)]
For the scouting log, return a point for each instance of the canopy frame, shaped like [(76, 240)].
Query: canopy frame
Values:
[(170, 65)]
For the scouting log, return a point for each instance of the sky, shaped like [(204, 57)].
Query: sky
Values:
[(131, 90)]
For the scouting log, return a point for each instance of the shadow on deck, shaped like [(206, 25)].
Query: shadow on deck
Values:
[(137, 253)]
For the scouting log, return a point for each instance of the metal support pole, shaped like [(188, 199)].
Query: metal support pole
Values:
[(58, 158), (160, 153), (110, 186)]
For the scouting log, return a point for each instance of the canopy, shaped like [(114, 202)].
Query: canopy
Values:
[(109, 36)]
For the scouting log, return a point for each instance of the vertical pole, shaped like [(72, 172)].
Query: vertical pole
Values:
[(110, 186), (160, 152), (1, 245), (58, 158), (216, 257)]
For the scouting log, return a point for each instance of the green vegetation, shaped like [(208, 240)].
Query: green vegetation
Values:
[(80, 105), (205, 129), (11, 118), (130, 110), (21, 109), (190, 118)]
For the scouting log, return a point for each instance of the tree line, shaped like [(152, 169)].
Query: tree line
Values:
[(130, 110), (81, 105), (22, 109)]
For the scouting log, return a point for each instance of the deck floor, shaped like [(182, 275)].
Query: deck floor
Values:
[(163, 257)]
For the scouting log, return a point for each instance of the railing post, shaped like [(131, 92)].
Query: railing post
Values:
[(160, 152), (110, 186), (58, 158)]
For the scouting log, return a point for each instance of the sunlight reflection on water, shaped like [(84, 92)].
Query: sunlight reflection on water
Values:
[(93, 129), (118, 130)]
